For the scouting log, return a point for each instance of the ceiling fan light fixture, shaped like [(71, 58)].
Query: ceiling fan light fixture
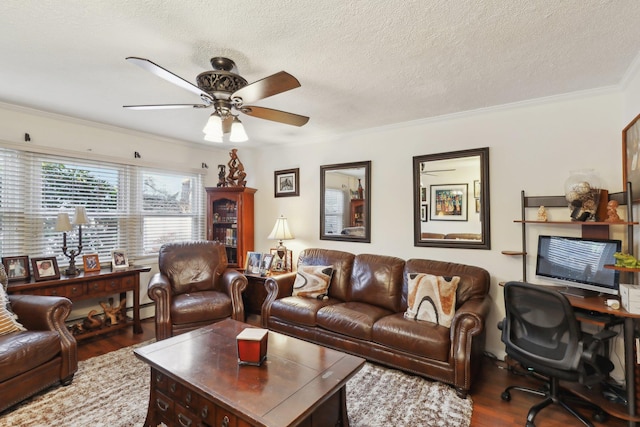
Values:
[(238, 133), (214, 125)]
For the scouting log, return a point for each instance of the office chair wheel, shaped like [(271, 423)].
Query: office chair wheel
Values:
[(600, 416), (506, 396)]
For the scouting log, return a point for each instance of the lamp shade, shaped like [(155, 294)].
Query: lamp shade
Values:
[(238, 133), (281, 230), (63, 223), (81, 216)]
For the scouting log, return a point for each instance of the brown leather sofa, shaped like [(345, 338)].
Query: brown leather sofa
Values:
[(43, 355), (364, 314), (194, 288)]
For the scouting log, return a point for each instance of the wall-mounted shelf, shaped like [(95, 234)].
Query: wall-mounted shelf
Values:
[(590, 229), (626, 269)]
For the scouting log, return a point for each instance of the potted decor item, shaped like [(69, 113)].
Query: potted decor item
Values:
[(582, 191)]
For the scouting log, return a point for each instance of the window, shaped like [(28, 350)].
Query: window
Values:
[(130, 207), (334, 205)]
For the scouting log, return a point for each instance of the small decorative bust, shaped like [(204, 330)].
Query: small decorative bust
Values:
[(542, 214), (612, 212)]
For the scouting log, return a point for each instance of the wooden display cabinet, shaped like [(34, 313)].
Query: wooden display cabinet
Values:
[(230, 221), (357, 213)]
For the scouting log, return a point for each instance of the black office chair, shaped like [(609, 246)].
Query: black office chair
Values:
[(540, 331)]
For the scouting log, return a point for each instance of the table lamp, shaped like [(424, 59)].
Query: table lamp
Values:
[(281, 232)]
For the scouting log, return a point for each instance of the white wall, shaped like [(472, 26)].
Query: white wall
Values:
[(533, 146)]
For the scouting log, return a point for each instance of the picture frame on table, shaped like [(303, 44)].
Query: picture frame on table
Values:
[(449, 202), (281, 265), (16, 267), (631, 158), (45, 268), (119, 259), (91, 263), (265, 264), (286, 183), (253, 263)]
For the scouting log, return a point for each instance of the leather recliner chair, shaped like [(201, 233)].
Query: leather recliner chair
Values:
[(194, 288), (44, 355)]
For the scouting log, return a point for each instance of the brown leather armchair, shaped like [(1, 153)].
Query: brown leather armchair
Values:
[(194, 288), (43, 355)]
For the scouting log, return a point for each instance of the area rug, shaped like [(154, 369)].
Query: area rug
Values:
[(113, 390)]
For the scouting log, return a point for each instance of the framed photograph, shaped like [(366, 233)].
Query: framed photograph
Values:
[(631, 158), (254, 260), (45, 268), (281, 264), (477, 205), (476, 189), (423, 194), (265, 265), (17, 267), (424, 209), (287, 183), (119, 259), (91, 263), (449, 202)]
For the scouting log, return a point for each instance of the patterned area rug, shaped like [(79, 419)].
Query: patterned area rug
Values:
[(113, 390)]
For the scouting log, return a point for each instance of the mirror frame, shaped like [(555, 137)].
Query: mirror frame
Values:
[(367, 201), (485, 217)]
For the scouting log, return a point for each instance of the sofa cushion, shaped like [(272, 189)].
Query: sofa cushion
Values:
[(193, 266), (377, 280), (413, 336), (354, 319), (299, 310), (431, 298), (8, 322), (23, 351), (312, 281), (342, 263), (200, 307)]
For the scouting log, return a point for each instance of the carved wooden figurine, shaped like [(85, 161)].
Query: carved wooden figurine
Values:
[(113, 314), (612, 212), (92, 321), (542, 214), (222, 181), (236, 171)]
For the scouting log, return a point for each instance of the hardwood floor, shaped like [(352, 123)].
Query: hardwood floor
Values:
[(489, 410)]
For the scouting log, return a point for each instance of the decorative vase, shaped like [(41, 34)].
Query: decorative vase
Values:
[(582, 191), (360, 190)]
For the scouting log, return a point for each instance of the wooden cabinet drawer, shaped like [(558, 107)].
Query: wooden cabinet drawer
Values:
[(163, 405), (70, 291)]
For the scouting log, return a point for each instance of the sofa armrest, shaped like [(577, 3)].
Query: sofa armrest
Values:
[(49, 313), (277, 287), (468, 336), (159, 290), (234, 284)]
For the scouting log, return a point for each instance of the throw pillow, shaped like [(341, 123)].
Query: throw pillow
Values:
[(8, 322), (312, 281), (431, 298)]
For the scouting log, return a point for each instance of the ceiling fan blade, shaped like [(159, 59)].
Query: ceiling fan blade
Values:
[(275, 115), (154, 68), (164, 106), (269, 86)]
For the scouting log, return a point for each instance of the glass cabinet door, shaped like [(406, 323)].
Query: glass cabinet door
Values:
[(225, 226)]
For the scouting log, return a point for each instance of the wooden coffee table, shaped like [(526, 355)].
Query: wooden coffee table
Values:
[(196, 381)]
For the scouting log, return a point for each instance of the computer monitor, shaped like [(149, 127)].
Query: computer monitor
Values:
[(578, 263)]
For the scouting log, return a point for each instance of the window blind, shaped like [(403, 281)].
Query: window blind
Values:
[(130, 208)]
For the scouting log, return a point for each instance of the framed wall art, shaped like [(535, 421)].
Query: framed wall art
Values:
[(424, 209), (449, 202), (631, 158), (45, 268), (287, 183), (17, 267), (91, 263)]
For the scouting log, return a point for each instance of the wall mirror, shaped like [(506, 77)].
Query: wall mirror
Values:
[(345, 202), (451, 199)]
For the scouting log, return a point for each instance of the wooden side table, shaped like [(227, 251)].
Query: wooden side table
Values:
[(91, 285), (253, 297)]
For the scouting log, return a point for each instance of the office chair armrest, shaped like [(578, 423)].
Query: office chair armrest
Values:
[(593, 344)]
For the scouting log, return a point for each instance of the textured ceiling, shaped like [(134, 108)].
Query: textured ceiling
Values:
[(362, 64)]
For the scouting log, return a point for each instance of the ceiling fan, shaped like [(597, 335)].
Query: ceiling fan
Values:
[(227, 92)]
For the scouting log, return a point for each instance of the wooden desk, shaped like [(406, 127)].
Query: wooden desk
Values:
[(629, 413), (91, 285)]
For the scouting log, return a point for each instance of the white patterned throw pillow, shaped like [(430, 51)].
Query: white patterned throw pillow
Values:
[(312, 281), (8, 322), (431, 298)]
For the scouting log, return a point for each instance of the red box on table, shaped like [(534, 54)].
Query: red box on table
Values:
[(252, 346)]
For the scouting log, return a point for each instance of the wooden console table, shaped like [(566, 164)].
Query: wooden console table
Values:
[(91, 285)]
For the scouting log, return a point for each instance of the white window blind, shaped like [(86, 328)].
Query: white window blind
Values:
[(131, 208), (334, 209)]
